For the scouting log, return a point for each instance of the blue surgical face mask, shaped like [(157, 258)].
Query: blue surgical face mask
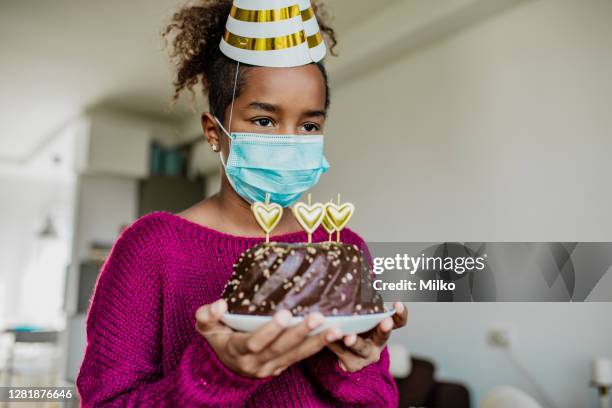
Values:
[(284, 166)]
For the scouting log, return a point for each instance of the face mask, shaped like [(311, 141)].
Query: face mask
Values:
[(284, 166)]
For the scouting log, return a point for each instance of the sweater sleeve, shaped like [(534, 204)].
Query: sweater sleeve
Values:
[(122, 365), (372, 386)]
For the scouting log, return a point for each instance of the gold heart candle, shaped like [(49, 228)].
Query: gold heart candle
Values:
[(339, 215), (309, 216), (267, 215)]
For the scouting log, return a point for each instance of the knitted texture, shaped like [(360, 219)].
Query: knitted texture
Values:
[(142, 346)]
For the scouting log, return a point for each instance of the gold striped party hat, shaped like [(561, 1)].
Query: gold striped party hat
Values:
[(273, 33)]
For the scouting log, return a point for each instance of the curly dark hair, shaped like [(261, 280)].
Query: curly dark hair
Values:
[(195, 32)]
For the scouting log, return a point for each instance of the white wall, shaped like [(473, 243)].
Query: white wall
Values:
[(31, 190), (499, 133), (24, 205)]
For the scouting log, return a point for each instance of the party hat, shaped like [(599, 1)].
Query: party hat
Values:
[(273, 33)]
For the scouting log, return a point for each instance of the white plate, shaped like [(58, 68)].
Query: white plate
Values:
[(347, 324)]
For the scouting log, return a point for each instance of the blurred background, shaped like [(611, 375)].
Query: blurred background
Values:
[(451, 120)]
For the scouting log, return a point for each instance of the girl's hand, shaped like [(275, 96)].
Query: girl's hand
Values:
[(356, 352), (269, 350)]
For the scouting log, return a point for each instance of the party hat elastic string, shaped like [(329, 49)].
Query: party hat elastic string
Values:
[(233, 98)]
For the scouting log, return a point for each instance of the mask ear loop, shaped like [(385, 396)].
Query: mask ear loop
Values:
[(229, 130)]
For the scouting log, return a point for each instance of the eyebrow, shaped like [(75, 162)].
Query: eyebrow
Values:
[(264, 106), (315, 113), (268, 107)]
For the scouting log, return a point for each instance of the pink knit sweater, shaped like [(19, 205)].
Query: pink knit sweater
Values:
[(142, 346)]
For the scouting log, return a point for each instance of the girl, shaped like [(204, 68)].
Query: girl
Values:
[(154, 331)]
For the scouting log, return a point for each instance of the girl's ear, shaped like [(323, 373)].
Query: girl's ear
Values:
[(211, 131)]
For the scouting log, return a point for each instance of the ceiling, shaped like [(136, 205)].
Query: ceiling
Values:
[(62, 57)]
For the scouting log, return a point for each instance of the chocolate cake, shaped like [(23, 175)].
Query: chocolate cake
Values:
[(330, 278)]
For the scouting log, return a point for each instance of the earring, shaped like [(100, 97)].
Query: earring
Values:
[(215, 148)]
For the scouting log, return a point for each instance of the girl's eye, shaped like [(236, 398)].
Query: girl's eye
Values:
[(311, 127), (263, 122)]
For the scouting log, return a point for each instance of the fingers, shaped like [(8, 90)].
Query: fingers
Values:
[(292, 337), (208, 319), (382, 332), (361, 347), (295, 335), (307, 347), (341, 350), (347, 360), (275, 337), (350, 340), (263, 336), (400, 317)]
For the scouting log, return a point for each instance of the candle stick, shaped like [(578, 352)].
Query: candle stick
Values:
[(328, 225), (267, 204), (338, 230), (309, 204)]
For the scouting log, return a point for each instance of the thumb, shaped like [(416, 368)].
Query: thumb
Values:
[(208, 318)]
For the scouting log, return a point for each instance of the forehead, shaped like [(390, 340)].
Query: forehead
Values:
[(296, 87)]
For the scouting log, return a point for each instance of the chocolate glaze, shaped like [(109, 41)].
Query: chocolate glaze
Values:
[(330, 278)]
